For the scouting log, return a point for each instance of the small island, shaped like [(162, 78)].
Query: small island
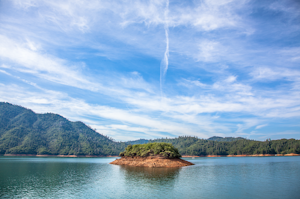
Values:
[(151, 155)]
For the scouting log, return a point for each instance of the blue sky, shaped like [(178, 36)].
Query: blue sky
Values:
[(151, 69)]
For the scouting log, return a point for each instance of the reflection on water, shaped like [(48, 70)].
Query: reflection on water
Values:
[(41, 178), (245, 177), (148, 175), (145, 182), (150, 172)]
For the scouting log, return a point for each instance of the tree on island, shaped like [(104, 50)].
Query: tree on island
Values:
[(151, 149)]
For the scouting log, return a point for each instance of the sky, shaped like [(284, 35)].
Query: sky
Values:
[(149, 69)]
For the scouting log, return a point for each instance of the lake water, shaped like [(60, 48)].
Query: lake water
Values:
[(224, 177)]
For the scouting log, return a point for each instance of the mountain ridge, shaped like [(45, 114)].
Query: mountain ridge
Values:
[(24, 132), (213, 138)]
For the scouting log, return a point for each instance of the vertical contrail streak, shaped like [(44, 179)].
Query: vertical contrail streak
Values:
[(165, 62)]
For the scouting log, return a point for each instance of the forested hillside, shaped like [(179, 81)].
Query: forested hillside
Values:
[(139, 141), (195, 146), (24, 132), (214, 138), (225, 139)]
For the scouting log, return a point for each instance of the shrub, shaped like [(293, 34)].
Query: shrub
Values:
[(151, 149)]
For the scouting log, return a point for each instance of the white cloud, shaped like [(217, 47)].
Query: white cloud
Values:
[(291, 54), (53, 101), (3, 71), (261, 126), (289, 7), (248, 123), (190, 83), (32, 46), (275, 73), (127, 19), (5, 66), (230, 79), (25, 4), (212, 33), (60, 71), (42, 65)]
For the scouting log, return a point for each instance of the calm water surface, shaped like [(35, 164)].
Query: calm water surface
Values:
[(231, 177)]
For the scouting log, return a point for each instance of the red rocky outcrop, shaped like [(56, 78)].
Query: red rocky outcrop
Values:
[(151, 161)]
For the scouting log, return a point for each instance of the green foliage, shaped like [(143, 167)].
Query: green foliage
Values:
[(24, 132), (226, 139), (193, 146), (151, 149)]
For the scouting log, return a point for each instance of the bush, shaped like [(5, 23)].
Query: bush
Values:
[(151, 149)]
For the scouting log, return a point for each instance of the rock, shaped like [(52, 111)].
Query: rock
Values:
[(151, 161)]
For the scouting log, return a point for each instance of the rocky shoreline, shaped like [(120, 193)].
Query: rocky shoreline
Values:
[(69, 156), (151, 161), (184, 156), (255, 155)]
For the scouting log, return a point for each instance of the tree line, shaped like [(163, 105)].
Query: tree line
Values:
[(24, 132), (194, 146)]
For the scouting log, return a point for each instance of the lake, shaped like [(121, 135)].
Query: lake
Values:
[(222, 177)]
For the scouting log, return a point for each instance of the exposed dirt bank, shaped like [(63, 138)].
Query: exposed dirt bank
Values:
[(69, 156), (289, 154), (255, 155), (184, 156), (151, 161)]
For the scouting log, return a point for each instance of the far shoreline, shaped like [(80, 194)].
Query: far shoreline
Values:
[(254, 155), (110, 156), (61, 156)]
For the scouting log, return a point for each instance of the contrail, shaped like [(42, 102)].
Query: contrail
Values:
[(165, 62)]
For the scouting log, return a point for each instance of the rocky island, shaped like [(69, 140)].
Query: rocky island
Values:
[(151, 155)]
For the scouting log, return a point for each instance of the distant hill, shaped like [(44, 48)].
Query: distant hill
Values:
[(225, 139), (140, 141), (24, 132), (214, 138), (188, 145)]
